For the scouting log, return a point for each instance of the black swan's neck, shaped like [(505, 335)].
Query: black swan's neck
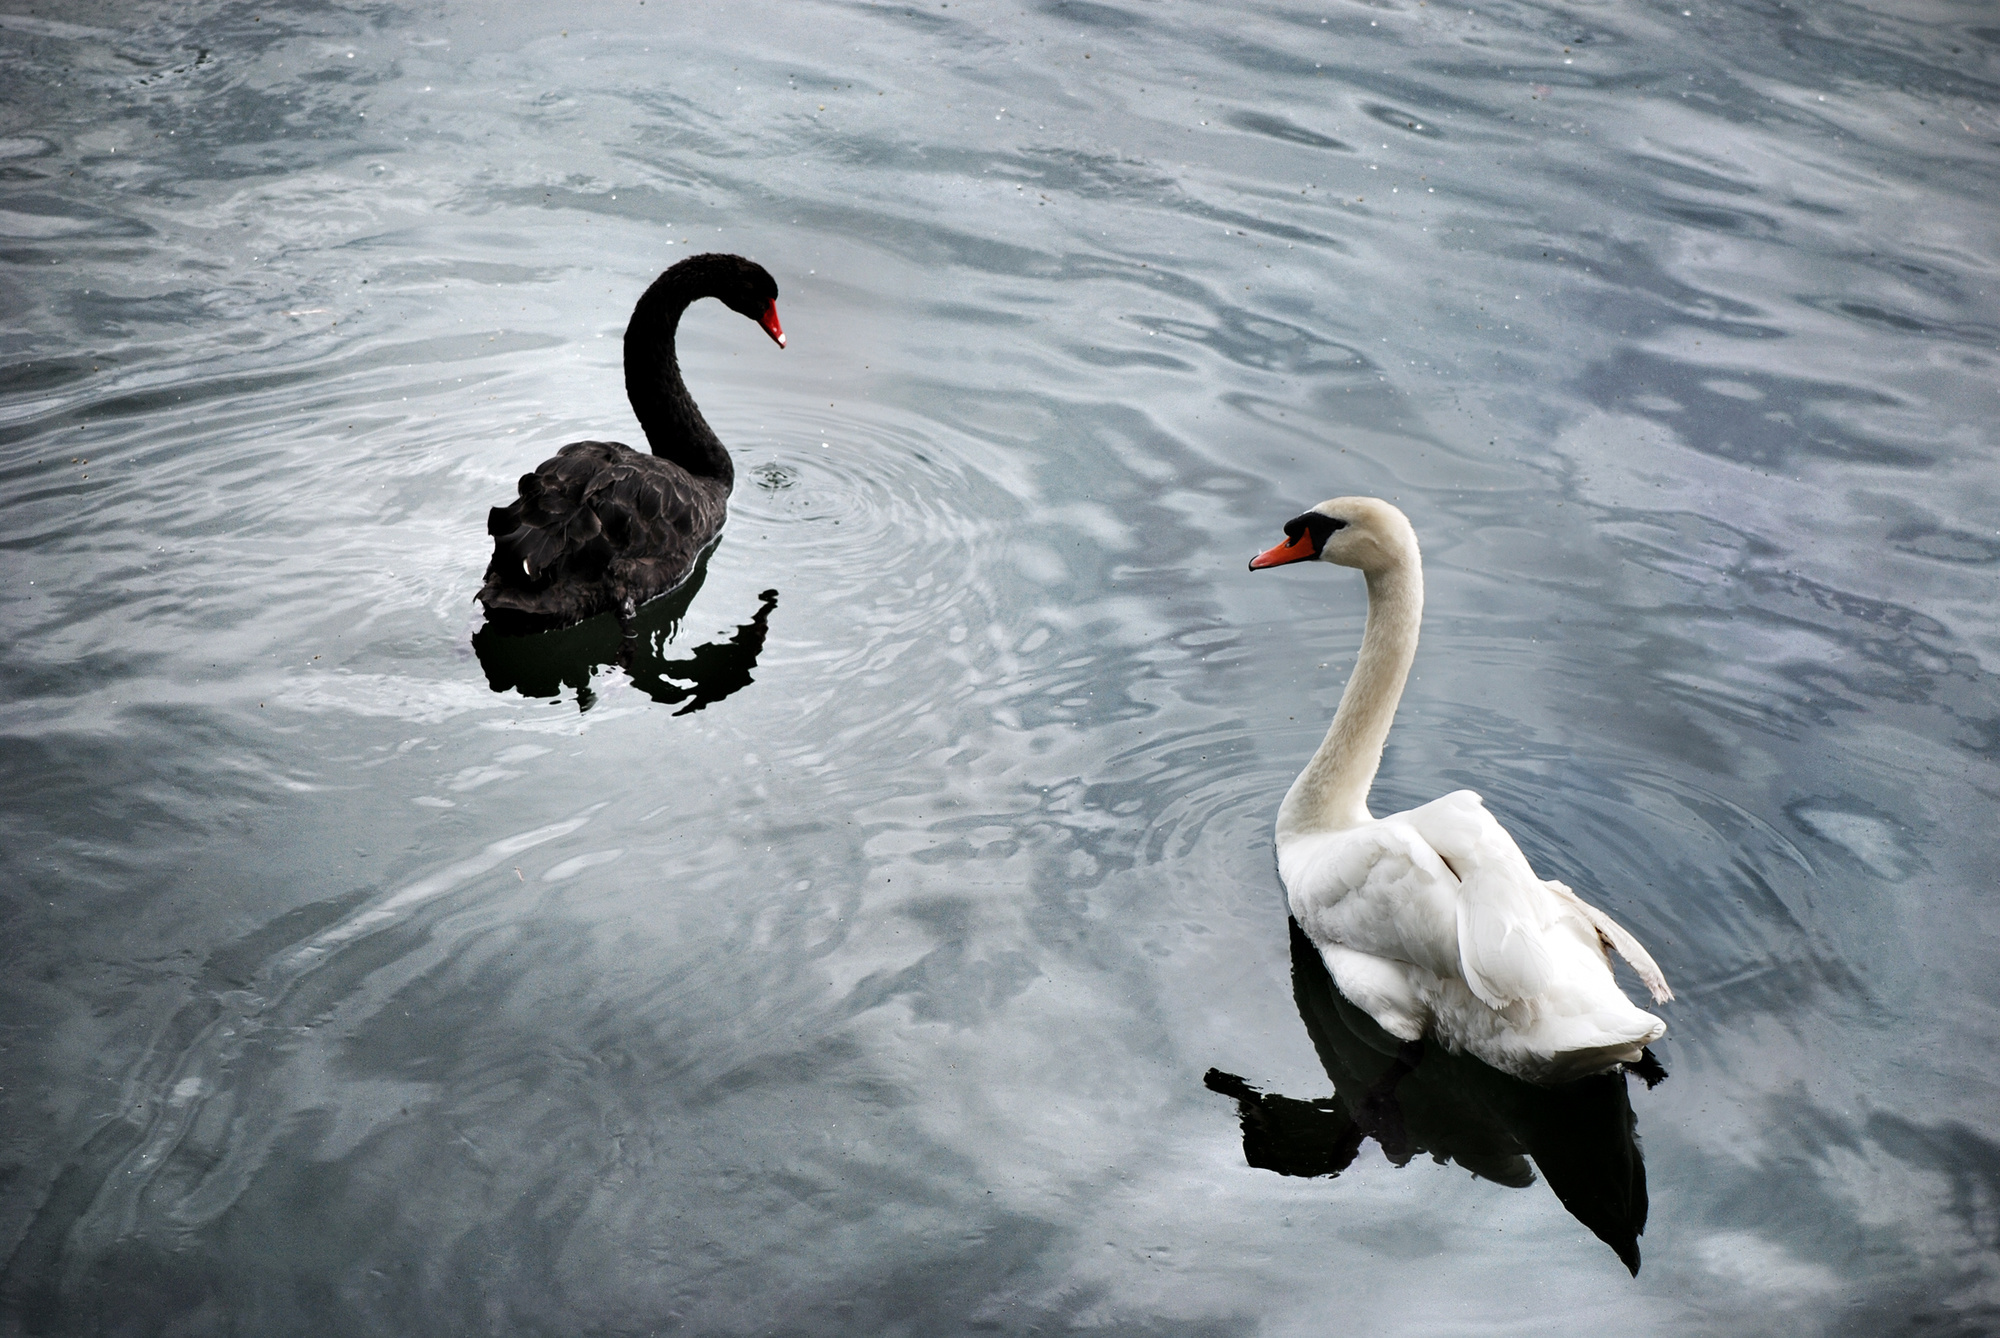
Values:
[(674, 427)]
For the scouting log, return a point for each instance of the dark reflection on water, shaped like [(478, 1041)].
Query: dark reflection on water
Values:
[(542, 664), (1412, 1098)]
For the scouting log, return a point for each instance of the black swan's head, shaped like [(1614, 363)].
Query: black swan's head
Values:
[(744, 286)]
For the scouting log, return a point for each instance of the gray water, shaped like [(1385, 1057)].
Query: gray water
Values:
[(851, 961)]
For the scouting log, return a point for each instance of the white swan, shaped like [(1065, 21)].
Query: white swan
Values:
[(1431, 920)]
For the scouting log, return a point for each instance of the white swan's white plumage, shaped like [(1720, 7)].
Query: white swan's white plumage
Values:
[(1431, 920)]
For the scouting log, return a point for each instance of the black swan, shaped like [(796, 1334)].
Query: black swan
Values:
[(602, 528)]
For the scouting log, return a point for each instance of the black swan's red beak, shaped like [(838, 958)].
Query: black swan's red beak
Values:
[(769, 320), (1292, 550)]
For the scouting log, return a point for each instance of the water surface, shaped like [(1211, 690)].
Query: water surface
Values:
[(849, 958)]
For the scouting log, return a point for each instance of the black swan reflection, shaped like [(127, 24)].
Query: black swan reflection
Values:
[(542, 666), (602, 528), (1416, 1097)]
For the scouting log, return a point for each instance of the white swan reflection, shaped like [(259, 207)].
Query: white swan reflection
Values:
[(1414, 1097)]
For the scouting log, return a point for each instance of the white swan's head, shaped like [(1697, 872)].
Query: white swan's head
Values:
[(1363, 532)]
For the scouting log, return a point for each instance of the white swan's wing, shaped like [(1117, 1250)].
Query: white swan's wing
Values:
[(1516, 939), (1433, 922), (1621, 941), (1378, 889)]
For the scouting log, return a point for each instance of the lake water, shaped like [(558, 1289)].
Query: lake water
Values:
[(851, 960)]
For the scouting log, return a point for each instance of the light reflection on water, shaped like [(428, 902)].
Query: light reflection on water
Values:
[(345, 992)]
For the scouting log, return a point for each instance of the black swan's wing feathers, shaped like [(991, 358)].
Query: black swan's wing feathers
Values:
[(594, 526)]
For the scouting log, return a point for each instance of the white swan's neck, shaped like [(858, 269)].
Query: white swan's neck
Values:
[(1332, 792)]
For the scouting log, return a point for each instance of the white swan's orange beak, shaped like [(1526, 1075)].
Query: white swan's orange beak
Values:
[(1292, 550), (769, 320)]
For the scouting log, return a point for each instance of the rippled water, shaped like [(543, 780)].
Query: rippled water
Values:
[(850, 958)]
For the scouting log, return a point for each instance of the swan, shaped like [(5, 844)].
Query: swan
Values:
[(1430, 920), (600, 527)]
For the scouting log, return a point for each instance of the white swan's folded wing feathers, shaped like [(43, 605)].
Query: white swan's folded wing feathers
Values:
[(1505, 916), (1378, 889), (1502, 940), (1618, 939)]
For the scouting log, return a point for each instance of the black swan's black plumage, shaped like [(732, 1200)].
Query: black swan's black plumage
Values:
[(604, 528)]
